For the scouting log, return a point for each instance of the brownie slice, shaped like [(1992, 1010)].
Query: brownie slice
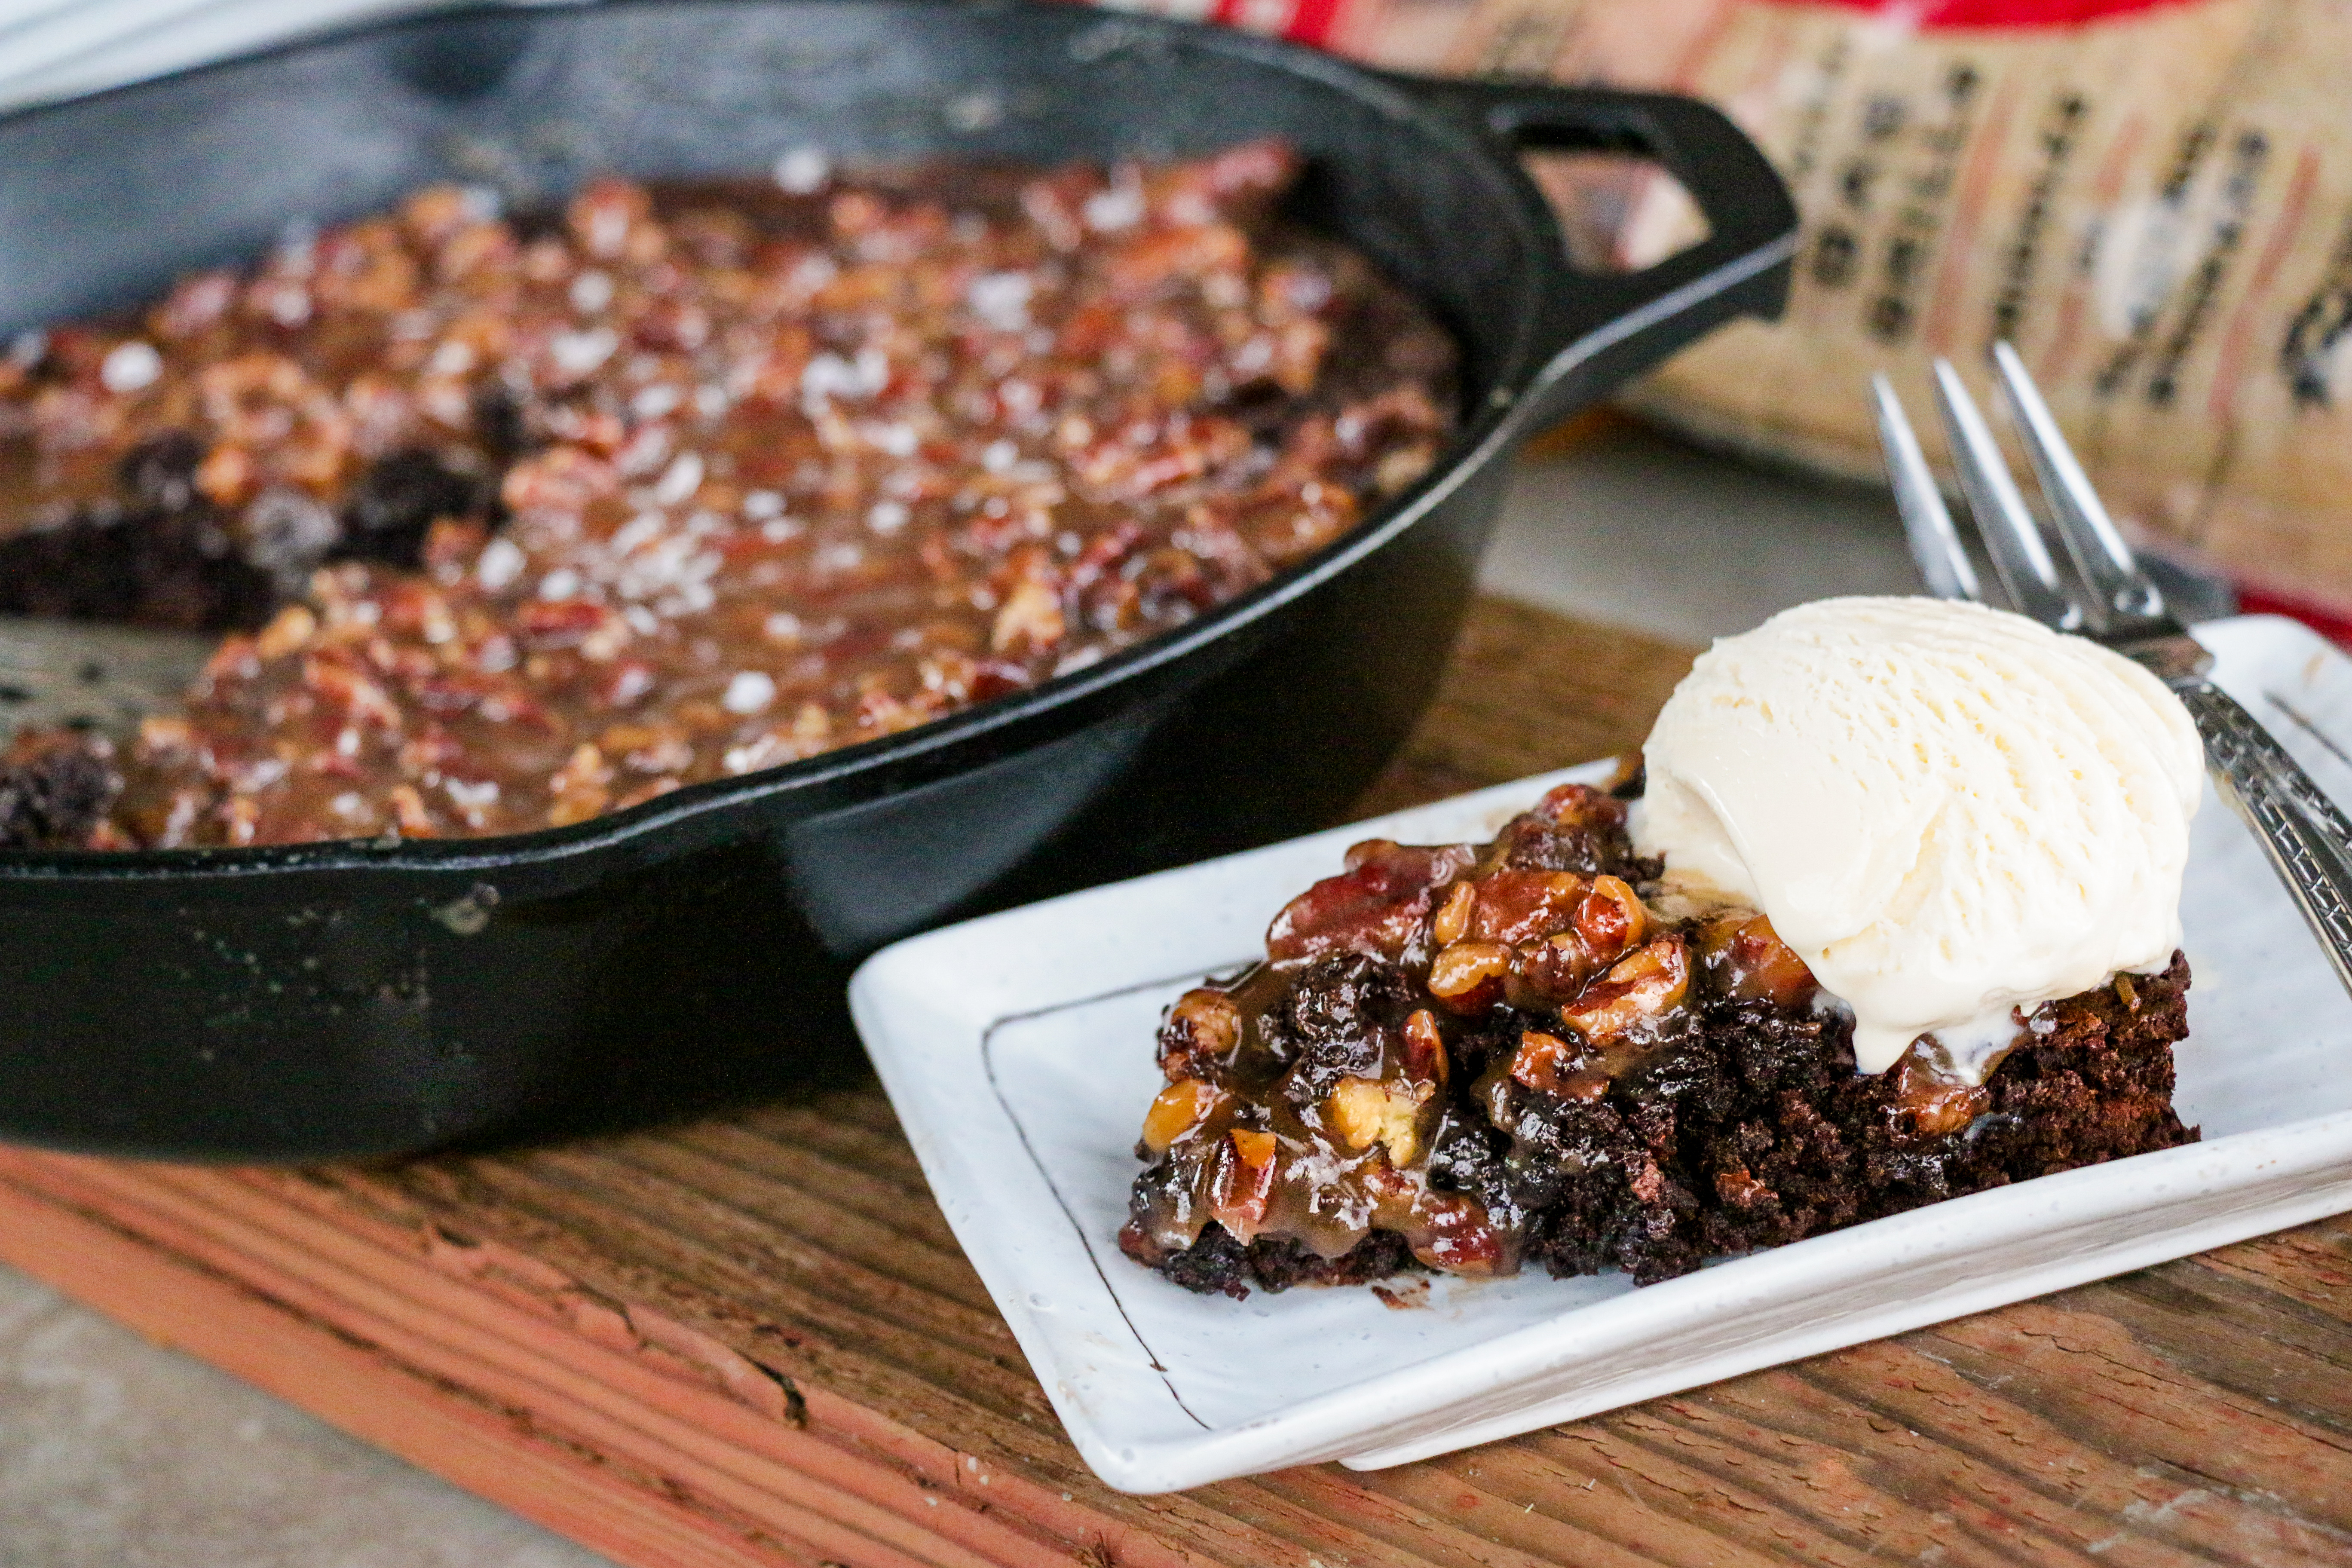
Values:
[(1476, 1056)]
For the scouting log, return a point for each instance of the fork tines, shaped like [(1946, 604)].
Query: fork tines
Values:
[(2117, 596)]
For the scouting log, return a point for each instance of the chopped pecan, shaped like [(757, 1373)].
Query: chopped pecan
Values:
[(1521, 906), (1468, 976), (1244, 1182), (1368, 1111), (1744, 957), (1642, 986), (1922, 1103), (1177, 1110), (1424, 1049), (1200, 1036), (1452, 921), (1376, 906)]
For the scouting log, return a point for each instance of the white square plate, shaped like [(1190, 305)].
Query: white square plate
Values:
[(1018, 1051)]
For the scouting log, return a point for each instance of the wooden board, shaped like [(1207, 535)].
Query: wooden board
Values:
[(752, 1341)]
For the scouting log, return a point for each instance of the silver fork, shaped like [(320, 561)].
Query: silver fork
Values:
[(2308, 838)]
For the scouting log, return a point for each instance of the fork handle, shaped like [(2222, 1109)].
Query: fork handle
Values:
[(2307, 840)]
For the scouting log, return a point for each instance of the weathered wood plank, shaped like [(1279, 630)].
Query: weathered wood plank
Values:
[(752, 1341)]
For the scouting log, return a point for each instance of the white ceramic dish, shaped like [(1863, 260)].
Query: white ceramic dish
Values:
[(1017, 1050)]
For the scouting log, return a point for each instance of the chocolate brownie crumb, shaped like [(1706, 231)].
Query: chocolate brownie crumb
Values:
[(399, 499), (161, 555), (1219, 1264), (56, 796)]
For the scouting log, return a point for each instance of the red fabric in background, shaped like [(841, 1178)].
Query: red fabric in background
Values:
[(1311, 21), (2331, 624), (1998, 13)]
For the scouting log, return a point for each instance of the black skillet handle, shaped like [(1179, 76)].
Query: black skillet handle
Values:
[(1605, 328)]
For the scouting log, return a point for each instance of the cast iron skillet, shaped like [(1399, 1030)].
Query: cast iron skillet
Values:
[(366, 998)]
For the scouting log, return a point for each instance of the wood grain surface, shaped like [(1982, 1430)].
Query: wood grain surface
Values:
[(752, 1339)]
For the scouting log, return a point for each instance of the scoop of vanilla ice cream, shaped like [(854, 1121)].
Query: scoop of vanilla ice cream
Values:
[(1945, 810)]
